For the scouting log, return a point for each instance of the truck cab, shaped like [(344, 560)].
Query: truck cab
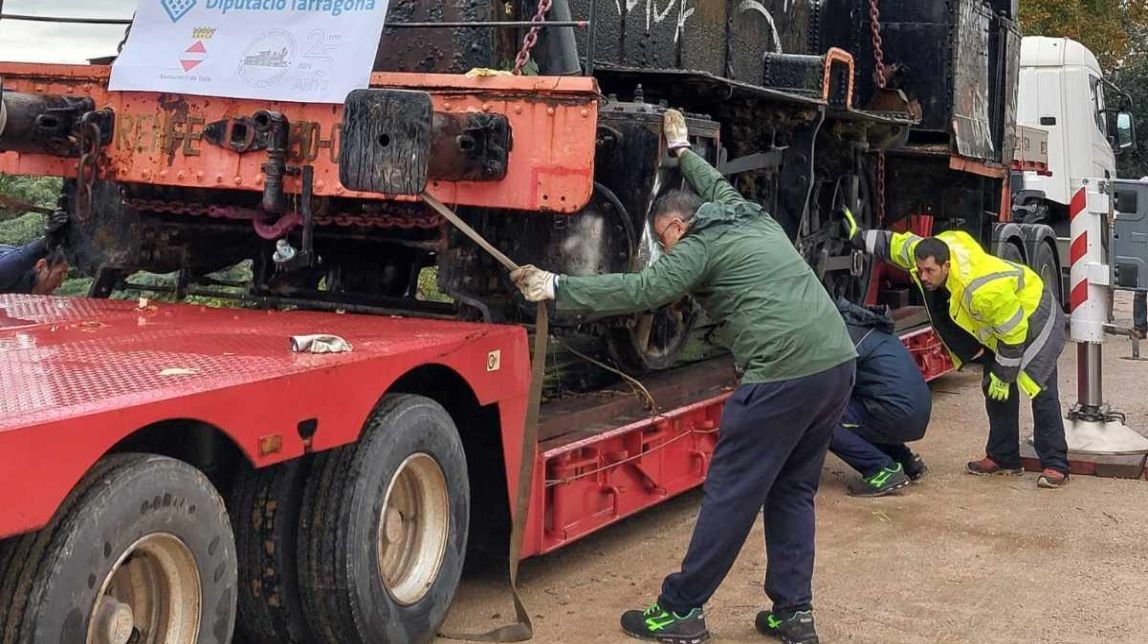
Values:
[(1062, 88), (1062, 91)]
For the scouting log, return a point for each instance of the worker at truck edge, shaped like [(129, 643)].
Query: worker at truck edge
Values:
[(890, 406), (796, 363), (27, 269), (987, 308)]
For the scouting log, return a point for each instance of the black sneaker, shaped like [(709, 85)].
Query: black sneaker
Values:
[(792, 628), (915, 468), (659, 625), (882, 483)]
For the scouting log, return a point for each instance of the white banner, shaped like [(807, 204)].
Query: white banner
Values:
[(312, 51)]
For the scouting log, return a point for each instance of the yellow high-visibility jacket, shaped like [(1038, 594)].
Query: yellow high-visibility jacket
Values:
[(1002, 304)]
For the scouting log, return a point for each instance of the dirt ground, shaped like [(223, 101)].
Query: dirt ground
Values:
[(956, 558)]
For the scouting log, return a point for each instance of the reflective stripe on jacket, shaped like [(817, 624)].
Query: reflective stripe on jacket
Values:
[(1002, 304)]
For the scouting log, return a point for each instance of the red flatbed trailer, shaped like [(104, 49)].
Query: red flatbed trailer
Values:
[(220, 391)]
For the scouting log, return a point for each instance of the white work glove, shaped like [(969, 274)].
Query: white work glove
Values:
[(536, 284), (677, 134)]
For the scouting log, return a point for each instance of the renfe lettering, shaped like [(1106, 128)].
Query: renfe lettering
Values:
[(173, 134), (332, 7)]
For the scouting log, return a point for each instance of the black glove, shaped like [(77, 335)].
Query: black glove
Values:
[(54, 228)]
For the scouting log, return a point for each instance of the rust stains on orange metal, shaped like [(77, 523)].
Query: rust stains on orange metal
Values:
[(553, 121), (979, 168)]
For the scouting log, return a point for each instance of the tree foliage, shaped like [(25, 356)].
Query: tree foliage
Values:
[(21, 228), (1112, 29), (1132, 77)]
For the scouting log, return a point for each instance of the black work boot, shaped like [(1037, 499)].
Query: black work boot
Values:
[(915, 468), (886, 481), (660, 625), (790, 628)]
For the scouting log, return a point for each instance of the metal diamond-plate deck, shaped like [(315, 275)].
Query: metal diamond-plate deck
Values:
[(61, 357)]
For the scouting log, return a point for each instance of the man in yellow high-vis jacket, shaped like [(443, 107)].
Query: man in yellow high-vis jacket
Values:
[(989, 309)]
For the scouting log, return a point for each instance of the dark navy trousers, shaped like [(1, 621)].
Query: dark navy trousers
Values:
[(1048, 426), (769, 456), (861, 449)]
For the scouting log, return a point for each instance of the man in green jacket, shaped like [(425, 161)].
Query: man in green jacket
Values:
[(796, 362)]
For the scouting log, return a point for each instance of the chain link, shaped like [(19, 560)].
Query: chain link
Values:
[(878, 44), (880, 78), (531, 38), (88, 137), (342, 219), (880, 188)]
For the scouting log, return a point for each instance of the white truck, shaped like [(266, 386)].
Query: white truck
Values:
[(1072, 123)]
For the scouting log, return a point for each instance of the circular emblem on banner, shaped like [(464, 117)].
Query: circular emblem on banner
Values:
[(268, 58)]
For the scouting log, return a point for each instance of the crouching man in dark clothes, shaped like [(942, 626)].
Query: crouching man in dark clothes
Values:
[(37, 267), (890, 406)]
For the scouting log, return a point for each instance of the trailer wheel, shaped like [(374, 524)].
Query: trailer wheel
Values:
[(140, 552), (265, 506), (384, 526)]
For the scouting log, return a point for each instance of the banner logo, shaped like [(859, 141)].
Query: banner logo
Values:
[(177, 9)]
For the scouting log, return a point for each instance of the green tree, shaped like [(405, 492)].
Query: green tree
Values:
[(1132, 77), (19, 227), (1112, 29)]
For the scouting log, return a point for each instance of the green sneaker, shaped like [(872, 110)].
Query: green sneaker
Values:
[(884, 482), (659, 625)]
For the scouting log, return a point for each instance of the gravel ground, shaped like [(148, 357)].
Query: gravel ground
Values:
[(954, 559)]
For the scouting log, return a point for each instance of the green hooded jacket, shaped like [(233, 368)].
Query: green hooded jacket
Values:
[(776, 317)]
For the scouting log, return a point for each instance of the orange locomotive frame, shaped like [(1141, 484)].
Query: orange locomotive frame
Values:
[(158, 138)]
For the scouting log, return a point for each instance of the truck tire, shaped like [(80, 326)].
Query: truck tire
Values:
[(265, 506), (1012, 252), (140, 551), (1044, 263), (384, 527)]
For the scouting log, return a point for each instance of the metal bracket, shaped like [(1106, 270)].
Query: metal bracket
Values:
[(1101, 414), (240, 135), (305, 256), (796, 177), (770, 160), (469, 147), (854, 263)]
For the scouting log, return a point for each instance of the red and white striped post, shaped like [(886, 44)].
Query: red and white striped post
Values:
[(1090, 294), (1092, 427)]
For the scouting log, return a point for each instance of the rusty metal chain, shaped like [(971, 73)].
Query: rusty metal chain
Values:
[(880, 189), (88, 137), (531, 38), (880, 77), (879, 73), (342, 219)]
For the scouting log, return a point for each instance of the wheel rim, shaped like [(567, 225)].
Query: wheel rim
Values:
[(414, 527), (152, 595), (657, 336)]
